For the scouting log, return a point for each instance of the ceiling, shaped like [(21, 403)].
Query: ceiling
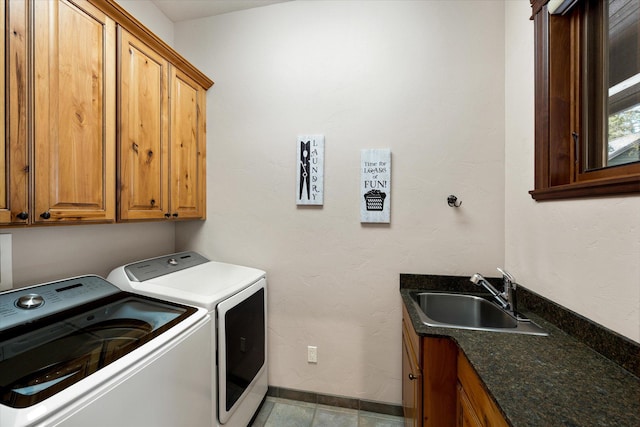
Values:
[(183, 10)]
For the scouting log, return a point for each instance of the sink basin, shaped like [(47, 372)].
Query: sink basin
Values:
[(463, 311)]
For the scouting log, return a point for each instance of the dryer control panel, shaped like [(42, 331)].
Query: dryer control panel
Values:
[(156, 267)]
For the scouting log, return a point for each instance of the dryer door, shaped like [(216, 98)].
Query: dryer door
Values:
[(241, 345)]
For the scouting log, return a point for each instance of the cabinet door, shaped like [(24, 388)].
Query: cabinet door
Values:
[(74, 122), (5, 213), (144, 168), (467, 417), (411, 385), (187, 147), (14, 160), (476, 408), (439, 357)]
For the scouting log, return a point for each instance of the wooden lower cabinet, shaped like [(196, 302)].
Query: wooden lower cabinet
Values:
[(412, 380), (475, 407), (430, 399), (466, 414), (439, 386)]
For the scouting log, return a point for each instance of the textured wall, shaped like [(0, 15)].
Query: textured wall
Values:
[(423, 78), (42, 254), (583, 254)]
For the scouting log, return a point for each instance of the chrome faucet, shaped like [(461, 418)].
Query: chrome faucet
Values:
[(507, 298), (510, 287)]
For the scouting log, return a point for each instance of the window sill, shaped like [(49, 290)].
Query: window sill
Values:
[(597, 188)]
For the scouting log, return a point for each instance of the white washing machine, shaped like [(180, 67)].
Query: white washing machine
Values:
[(80, 352), (236, 298)]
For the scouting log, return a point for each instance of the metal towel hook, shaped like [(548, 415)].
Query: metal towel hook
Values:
[(453, 201)]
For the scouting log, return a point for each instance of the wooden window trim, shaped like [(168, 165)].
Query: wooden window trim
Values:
[(557, 114)]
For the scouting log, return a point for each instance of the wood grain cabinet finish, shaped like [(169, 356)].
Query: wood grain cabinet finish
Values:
[(439, 386), (58, 154), (5, 212), (162, 137), (14, 158), (187, 147), (411, 375), (144, 131), (475, 408), (467, 416), (74, 112), (436, 398), (103, 121)]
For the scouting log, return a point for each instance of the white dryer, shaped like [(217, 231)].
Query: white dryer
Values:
[(236, 297)]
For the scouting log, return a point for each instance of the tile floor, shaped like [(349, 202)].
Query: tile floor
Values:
[(278, 412)]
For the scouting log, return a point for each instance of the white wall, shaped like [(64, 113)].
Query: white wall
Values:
[(425, 79), (151, 17), (42, 254), (583, 254)]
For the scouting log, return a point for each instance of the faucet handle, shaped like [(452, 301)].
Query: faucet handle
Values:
[(508, 279), (510, 292)]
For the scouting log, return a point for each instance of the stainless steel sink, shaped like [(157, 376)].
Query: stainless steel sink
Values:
[(463, 311)]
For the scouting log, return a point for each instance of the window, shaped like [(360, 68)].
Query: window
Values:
[(587, 98)]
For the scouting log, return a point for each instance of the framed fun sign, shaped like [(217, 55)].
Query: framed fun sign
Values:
[(375, 186)]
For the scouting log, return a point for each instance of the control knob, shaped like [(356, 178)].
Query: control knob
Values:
[(30, 301)]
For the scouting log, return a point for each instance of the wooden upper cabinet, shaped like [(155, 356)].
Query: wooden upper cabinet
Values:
[(5, 212), (162, 137), (74, 112), (144, 137), (14, 160), (187, 147), (90, 94)]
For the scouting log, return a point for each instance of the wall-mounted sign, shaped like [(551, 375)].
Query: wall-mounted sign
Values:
[(310, 170), (375, 185)]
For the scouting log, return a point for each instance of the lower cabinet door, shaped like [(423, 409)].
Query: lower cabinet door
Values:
[(467, 416), (411, 387), (475, 406)]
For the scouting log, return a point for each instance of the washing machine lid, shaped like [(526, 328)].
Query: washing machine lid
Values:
[(44, 355), (185, 277)]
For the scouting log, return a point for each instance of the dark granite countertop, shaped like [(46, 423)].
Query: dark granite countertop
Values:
[(543, 381)]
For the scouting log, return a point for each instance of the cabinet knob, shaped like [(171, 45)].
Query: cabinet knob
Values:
[(45, 215), (167, 215), (23, 215), (412, 377), (175, 214)]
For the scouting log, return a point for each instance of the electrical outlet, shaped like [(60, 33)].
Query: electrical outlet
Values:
[(312, 354)]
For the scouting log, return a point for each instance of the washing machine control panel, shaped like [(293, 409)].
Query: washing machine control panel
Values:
[(156, 267), (33, 302)]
